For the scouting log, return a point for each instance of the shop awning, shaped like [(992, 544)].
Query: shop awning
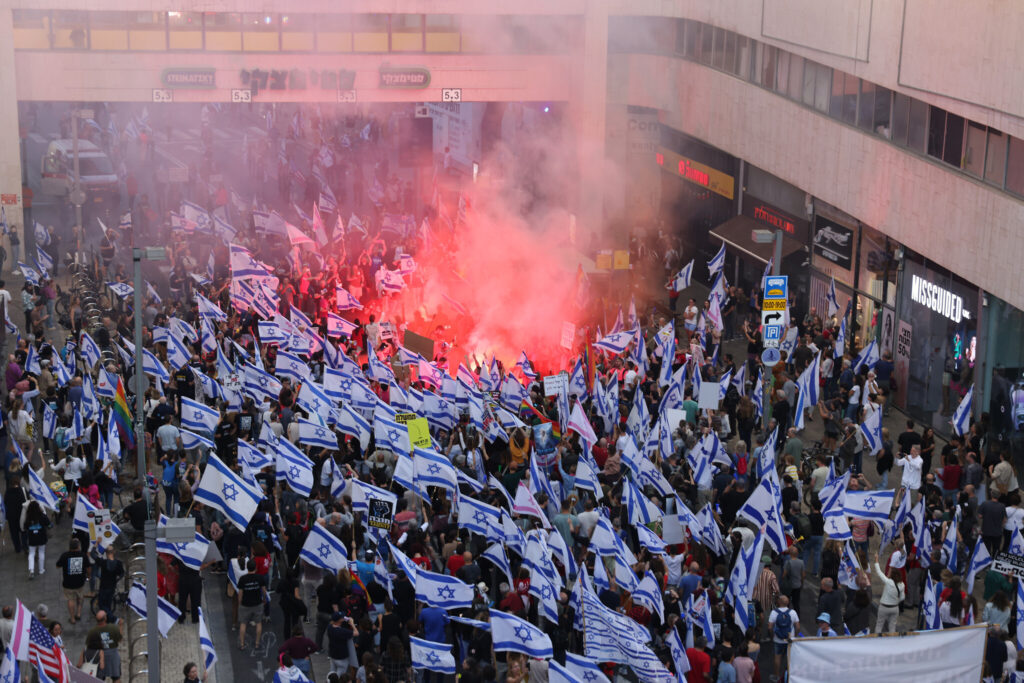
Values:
[(735, 232)]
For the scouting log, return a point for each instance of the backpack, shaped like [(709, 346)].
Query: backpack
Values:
[(170, 474), (783, 624)]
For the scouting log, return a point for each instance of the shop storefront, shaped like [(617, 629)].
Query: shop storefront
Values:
[(766, 203), (863, 263), (938, 340), (1003, 391), (698, 190)]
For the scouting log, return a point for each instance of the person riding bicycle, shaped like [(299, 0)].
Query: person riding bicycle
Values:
[(111, 571)]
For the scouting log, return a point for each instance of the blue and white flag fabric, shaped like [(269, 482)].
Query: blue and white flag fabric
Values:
[(151, 365), (439, 590), (717, 262), (10, 670), (930, 606), (808, 385), (346, 302), (323, 549), (497, 556), (478, 517), (89, 349), (871, 429), (208, 309), (40, 491), (49, 422), (206, 643), (168, 615), (122, 289), (224, 490), (32, 362), (353, 424), (980, 558), (80, 522), (314, 400), (949, 552), (198, 417), (680, 661), (867, 357), (44, 262), (253, 458), (962, 414), (339, 327), (191, 553), (190, 440), (584, 669), (31, 274), (259, 384), (509, 633), (317, 435), (648, 594), (830, 297), (682, 279), (290, 365), (849, 566), (290, 675), (243, 265), (294, 467), (616, 342), (840, 346), (870, 505), (42, 235), (433, 469), (391, 435), (431, 656), (1020, 616), (763, 508)]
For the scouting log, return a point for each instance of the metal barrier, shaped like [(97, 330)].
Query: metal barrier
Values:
[(137, 554)]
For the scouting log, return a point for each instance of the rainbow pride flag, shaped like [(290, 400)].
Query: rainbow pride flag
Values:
[(122, 416), (527, 408)]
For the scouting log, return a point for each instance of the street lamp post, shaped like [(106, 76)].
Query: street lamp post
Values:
[(77, 195), (140, 254)]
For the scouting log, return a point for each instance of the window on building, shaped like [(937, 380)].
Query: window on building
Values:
[(185, 30), (707, 42), (917, 135), (442, 33), (796, 77), (693, 30), (261, 32), (31, 29), (743, 50), (995, 157), (298, 32), (71, 30), (974, 150), (370, 32), (843, 105), (680, 45), (782, 73), (109, 30), (407, 33), (810, 80), (1015, 167), (866, 105), (223, 31), (945, 136), (883, 112), (729, 61), (718, 51), (900, 118)]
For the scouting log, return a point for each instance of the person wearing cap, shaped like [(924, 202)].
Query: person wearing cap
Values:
[(830, 602), (824, 626)]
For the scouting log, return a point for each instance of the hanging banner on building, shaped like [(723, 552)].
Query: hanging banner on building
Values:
[(888, 329), (904, 335), (936, 656), (833, 242)]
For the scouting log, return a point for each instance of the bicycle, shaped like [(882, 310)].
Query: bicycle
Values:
[(120, 598)]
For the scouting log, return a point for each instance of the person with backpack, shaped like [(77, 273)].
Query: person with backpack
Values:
[(784, 623), (793, 576), (34, 524), (169, 479)]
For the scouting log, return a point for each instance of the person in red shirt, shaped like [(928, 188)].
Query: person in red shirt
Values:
[(456, 561), (261, 556), (511, 602), (700, 662), (950, 475), (600, 452)]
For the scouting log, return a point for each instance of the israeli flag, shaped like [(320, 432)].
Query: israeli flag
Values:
[(379, 372), (391, 435), (151, 365), (353, 424), (259, 384), (252, 457), (616, 342), (323, 549), (206, 643), (682, 279), (224, 490), (717, 262), (763, 508), (808, 386), (40, 491), (509, 633), (10, 670), (44, 261), (168, 614), (930, 608), (830, 297), (190, 440), (497, 556), (196, 416), (446, 592), (316, 434), (1020, 615), (339, 327), (867, 357), (361, 491), (80, 522), (478, 517), (949, 552), (648, 594), (191, 553), (871, 429), (840, 346), (243, 265), (431, 656), (962, 415), (294, 467), (872, 505), (90, 350), (42, 235), (346, 302), (49, 422), (980, 558), (208, 309), (121, 289), (433, 469), (290, 365)]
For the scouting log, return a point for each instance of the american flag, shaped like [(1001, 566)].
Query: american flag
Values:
[(47, 655)]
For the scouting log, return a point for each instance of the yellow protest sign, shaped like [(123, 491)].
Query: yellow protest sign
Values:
[(419, 432)]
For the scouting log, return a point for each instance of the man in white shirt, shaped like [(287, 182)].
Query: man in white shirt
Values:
[(5, 296), (912, 465)]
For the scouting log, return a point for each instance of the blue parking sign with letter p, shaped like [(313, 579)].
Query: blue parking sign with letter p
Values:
[(773, 332)]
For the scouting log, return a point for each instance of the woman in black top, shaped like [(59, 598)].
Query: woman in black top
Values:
[(390, 625), (34, 524), (14, 499)]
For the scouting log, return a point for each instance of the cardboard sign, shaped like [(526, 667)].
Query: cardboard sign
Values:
[(386, 329), (555, 384), (379, 513), (419, 432), (708, 399), (404, 418), (1009, 564), (418, 344), (545, 443), (603, 260), (100, 526), (620, 259), (568, 335)]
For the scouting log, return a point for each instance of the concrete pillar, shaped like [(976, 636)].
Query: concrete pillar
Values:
[(10, 142), (591, 119)]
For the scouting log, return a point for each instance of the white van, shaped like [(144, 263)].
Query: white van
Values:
[(97, 173)]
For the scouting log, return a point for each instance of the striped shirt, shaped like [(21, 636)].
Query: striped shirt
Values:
[(767, 589)]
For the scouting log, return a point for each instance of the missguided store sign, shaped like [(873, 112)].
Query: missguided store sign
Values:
[(940, 300)]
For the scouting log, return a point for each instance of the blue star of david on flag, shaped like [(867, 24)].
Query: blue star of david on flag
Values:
[(293, 471), (523, 634), (478, 517), (446, 592), (393, 434), (321, 432), (230, 491), (870, 503), (434, 468), (324, 550), (433, 658)]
